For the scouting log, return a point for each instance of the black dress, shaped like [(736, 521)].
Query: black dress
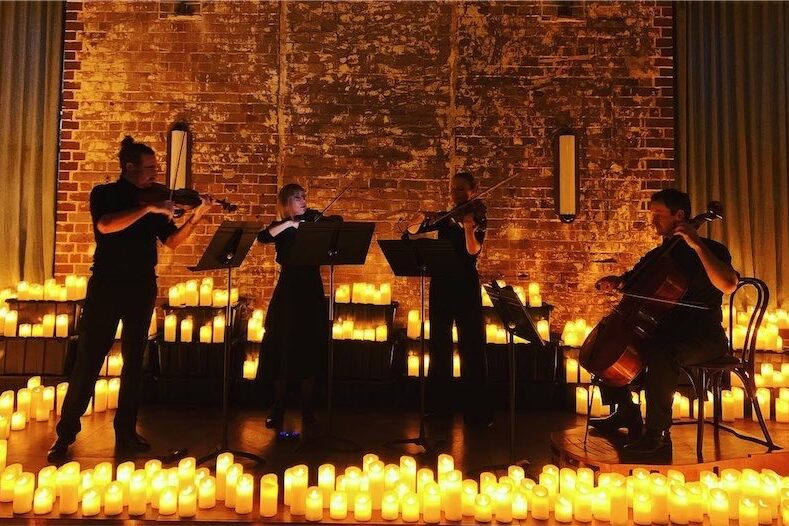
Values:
[(296, 338)]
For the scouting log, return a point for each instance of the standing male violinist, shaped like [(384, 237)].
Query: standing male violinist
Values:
[(122, 287), (685, 336)]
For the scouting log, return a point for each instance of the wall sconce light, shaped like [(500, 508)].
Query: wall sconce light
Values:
[(566, 174), (179, 156)]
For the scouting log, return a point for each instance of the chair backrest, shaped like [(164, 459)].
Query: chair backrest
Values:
[(754, 321)]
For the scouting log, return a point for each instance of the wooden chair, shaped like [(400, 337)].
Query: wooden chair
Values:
[(708, 375)]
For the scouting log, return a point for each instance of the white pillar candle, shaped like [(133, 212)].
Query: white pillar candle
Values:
[(219, 329), (113, 499), (206, 293), (338, 507), (269, 492), (363, 507), (375, 474), (100, 396), (60, 395), (749, 512), (718, 506), (299, 484), (48, 325), (390, 506), (91, 503), (187, 326), (244, 492), (18, 421), (206, 498), (138, 497), (61, 325), (43, 500), (540, 503), (7, 403), (68, 488), (9, 328), (187, 499), (168, 501), (23, 493), (223, 463), (113, 391), (571, 371), (169, 327), (452, 499), (234, 474), (191, 293), (431, 503)]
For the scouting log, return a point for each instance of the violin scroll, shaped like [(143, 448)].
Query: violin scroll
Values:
[(184, 198)]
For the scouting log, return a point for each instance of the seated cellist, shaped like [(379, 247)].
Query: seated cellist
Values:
[(685, 336)]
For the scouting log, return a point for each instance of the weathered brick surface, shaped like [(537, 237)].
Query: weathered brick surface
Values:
[(394, 96)]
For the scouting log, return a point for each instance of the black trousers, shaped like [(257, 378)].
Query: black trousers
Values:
[(664, 356), (108, 300), (459, 300)]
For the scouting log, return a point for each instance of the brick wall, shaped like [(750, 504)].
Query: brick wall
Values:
[(394, 96)]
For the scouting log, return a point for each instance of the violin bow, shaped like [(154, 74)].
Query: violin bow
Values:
[(333, 201), (478, 196)]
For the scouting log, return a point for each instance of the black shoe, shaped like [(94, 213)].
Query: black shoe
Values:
[(275, 418), (624, 417), (58, 451), (653, 443), (131, 442)]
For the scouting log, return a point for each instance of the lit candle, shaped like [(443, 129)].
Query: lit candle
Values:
[(173, 297), (763, 398), (169, 327), (544, 330), (390, 506), (246, 485), (18, 421), (338, 506), (219, 329), (23, 493), (423, 477), (659, 495), (298, 489), (729, 411), (205, 333), (5, 428), (571, 371), (61, 325), (540, 503), (138, 495), (408, 472), (168, 501), (718, 505), (314, 507), (100, 396), (782, 410), (452, 500), (678, 509), (60, 395), (642, 508), (535, 300), (9, 328), (186, 329), (234, 474), (223, 463), (409, 505), (749, 512), (91, 503), (563, 510), (375, 474), (269, 492), (43, 500), (68, 487), (386, 293), (581, 400), (582, 505), (25, 330), (113, 499), (7, 403), (412, 329), (601, 504), (48, 325), (363, 507)]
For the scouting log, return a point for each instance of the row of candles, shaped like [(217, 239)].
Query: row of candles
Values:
[(73, 288), (37, 402), (533, 289), (493, 333), (366, 293), (732, 404), (772, 375), (401, 491), (195, 294), (211, 332), (51, 326), (346, 329), (412, 364)]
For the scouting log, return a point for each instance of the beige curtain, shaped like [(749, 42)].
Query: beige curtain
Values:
[(733, 128), (31, 42)]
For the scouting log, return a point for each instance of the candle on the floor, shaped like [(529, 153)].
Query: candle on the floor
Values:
[(642, 509), (43, 500), (540, 502), (100, 396), (218, 335), (113, 499), (61, 325), (206, 495), (376, 483), (186, 471), (223, 463), (68, 486), (23, 493), (169, 327), (138, 494), (390, 506), (431, 503), (659, 494), (18, 421), (60, 395), (269, 493), (205, 333), (468, 497), (582, 505), (187, 502), (678, 510), (502, 503), (91, 503), (749, 512), (363, 507), (452, 499), (168, 501), (408, 471), (423, 477), (483, 511), (338, 507), (314, 504), (563, 509), (601, 504), (187, 326), (409, 505), (7, 403), (244, 492), (299, 483), (234, 474)]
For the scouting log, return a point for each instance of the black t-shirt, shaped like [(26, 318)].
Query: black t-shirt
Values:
[(131, 252), (700, 289)]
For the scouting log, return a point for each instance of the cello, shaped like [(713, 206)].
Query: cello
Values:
[(612, 350)]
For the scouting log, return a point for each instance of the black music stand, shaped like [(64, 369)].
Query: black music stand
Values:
[(420, 258), (517, 321), (227, 250), (331, 243)]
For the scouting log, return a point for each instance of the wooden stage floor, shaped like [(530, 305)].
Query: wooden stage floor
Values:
[(199, 429)]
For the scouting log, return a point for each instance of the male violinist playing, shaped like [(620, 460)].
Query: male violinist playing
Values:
[(122, 287), (685, 336)]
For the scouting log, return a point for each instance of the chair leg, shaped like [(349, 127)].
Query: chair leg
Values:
[(715, 381), (589, 400), (750, 393), (701, 393)]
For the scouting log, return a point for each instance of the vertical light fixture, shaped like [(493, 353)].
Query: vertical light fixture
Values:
[(566, 169), (179, 156)]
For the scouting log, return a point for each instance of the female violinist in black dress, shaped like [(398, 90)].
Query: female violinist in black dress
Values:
[(296, 339)]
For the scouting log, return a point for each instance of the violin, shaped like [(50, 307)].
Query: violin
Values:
[(612, 350), (473, 206), (184, 198)]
